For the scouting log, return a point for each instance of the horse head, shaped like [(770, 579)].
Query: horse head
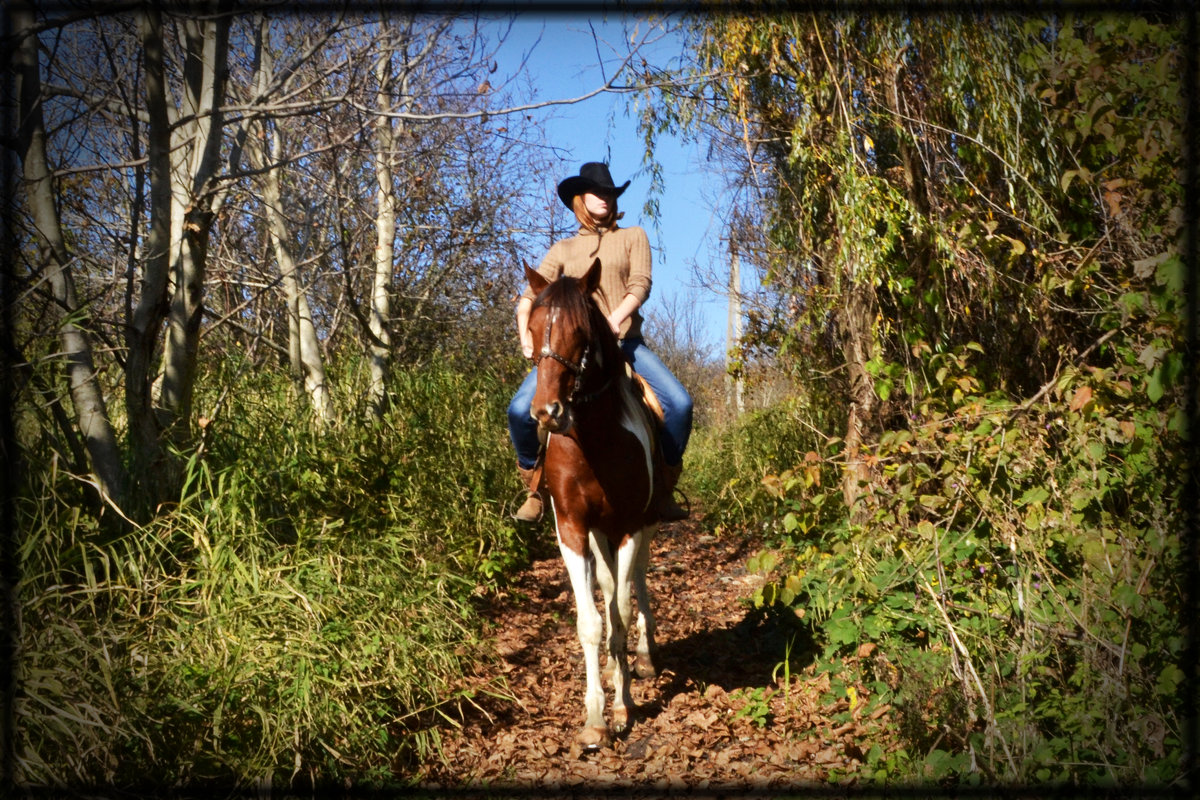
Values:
[(565, 329)]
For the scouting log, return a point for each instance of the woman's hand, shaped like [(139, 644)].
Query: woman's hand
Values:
[(622, 312), (614, 322), (524, 305)]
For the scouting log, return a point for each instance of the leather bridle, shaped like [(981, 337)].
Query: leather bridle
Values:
[(576, 367)]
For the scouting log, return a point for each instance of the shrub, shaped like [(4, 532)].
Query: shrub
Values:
[(1019, 570), (726, 464)]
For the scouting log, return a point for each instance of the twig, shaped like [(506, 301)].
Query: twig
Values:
[(842, 729), (1057, 630), (1141, 585), (985, 146), (840, 98), (1050, 384), (966, 656)]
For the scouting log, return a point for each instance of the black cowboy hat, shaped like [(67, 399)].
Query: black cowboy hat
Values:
[(593, 177)]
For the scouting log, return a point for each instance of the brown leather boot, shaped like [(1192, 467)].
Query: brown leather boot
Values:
[(668, 509), (531, 509)]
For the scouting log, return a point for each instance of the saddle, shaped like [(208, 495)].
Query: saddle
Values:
[(654, 416), (649, 399)]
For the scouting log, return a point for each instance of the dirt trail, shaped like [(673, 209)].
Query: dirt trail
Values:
[(716, 656)]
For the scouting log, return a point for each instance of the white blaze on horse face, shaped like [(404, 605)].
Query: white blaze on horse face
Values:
[(540, 409), (551, 405)]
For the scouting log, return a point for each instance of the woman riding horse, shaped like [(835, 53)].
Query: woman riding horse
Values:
[(601, 479), (624, 255)]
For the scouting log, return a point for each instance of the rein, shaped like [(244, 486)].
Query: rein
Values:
[(548, 351)]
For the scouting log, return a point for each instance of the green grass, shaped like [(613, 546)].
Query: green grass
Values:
[(726, 464), (302, 616)]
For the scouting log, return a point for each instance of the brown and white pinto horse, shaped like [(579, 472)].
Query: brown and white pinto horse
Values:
[(599, 470)]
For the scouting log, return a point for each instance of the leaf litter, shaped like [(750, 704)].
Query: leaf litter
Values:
[(719, 716)]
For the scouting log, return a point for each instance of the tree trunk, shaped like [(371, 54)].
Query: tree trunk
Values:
[(145, 323), (194, 171), (90, 409), (304, 349), (734, 386), (385, 237), (856, 322)]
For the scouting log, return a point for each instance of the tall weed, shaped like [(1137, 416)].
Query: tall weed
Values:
[(726, 464), (301, 617)]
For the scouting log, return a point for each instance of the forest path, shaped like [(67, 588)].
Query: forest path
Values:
[(717, 657)]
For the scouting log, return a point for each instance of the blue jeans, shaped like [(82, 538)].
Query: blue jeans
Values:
[(675, 401)]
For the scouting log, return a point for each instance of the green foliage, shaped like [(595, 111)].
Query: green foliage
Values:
[(1019, 570), (726, 464), (1013, 548), (301, 615), (756, 705)]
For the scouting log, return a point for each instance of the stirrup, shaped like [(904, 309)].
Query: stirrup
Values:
[(671, 511)]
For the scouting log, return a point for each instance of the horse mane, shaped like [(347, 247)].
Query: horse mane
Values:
[(576, 308)]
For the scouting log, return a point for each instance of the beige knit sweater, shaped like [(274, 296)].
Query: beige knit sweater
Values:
[(625, 268)]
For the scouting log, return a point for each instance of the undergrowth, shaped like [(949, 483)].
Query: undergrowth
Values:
[(1009, 584), (300, 617), (726, 464)]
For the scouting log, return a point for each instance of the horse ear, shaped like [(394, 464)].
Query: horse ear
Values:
[(536, 281), (591, 279)]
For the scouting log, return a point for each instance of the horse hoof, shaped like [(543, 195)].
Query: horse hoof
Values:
[(644, 668), (593, 738)]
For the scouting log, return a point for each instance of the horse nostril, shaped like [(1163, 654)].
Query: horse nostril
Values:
[(551, 416)]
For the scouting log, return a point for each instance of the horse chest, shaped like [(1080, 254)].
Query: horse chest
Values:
[(609, 496)]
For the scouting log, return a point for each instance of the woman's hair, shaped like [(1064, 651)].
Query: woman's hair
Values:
[(591, 223)]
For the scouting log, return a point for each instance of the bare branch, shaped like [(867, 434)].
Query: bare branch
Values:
[(609, 87), (36, 28)]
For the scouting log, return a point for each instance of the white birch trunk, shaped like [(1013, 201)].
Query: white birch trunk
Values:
[(304, 349), (385, 238), (91, 411), (734, 387), (196, 150)]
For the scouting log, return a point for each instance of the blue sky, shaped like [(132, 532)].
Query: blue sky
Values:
[(564, 64)]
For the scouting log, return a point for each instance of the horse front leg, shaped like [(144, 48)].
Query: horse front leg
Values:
[(588, 626), (617, 602), (643, 663)]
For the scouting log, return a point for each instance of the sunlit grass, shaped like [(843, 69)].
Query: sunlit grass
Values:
[(301, 616)]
